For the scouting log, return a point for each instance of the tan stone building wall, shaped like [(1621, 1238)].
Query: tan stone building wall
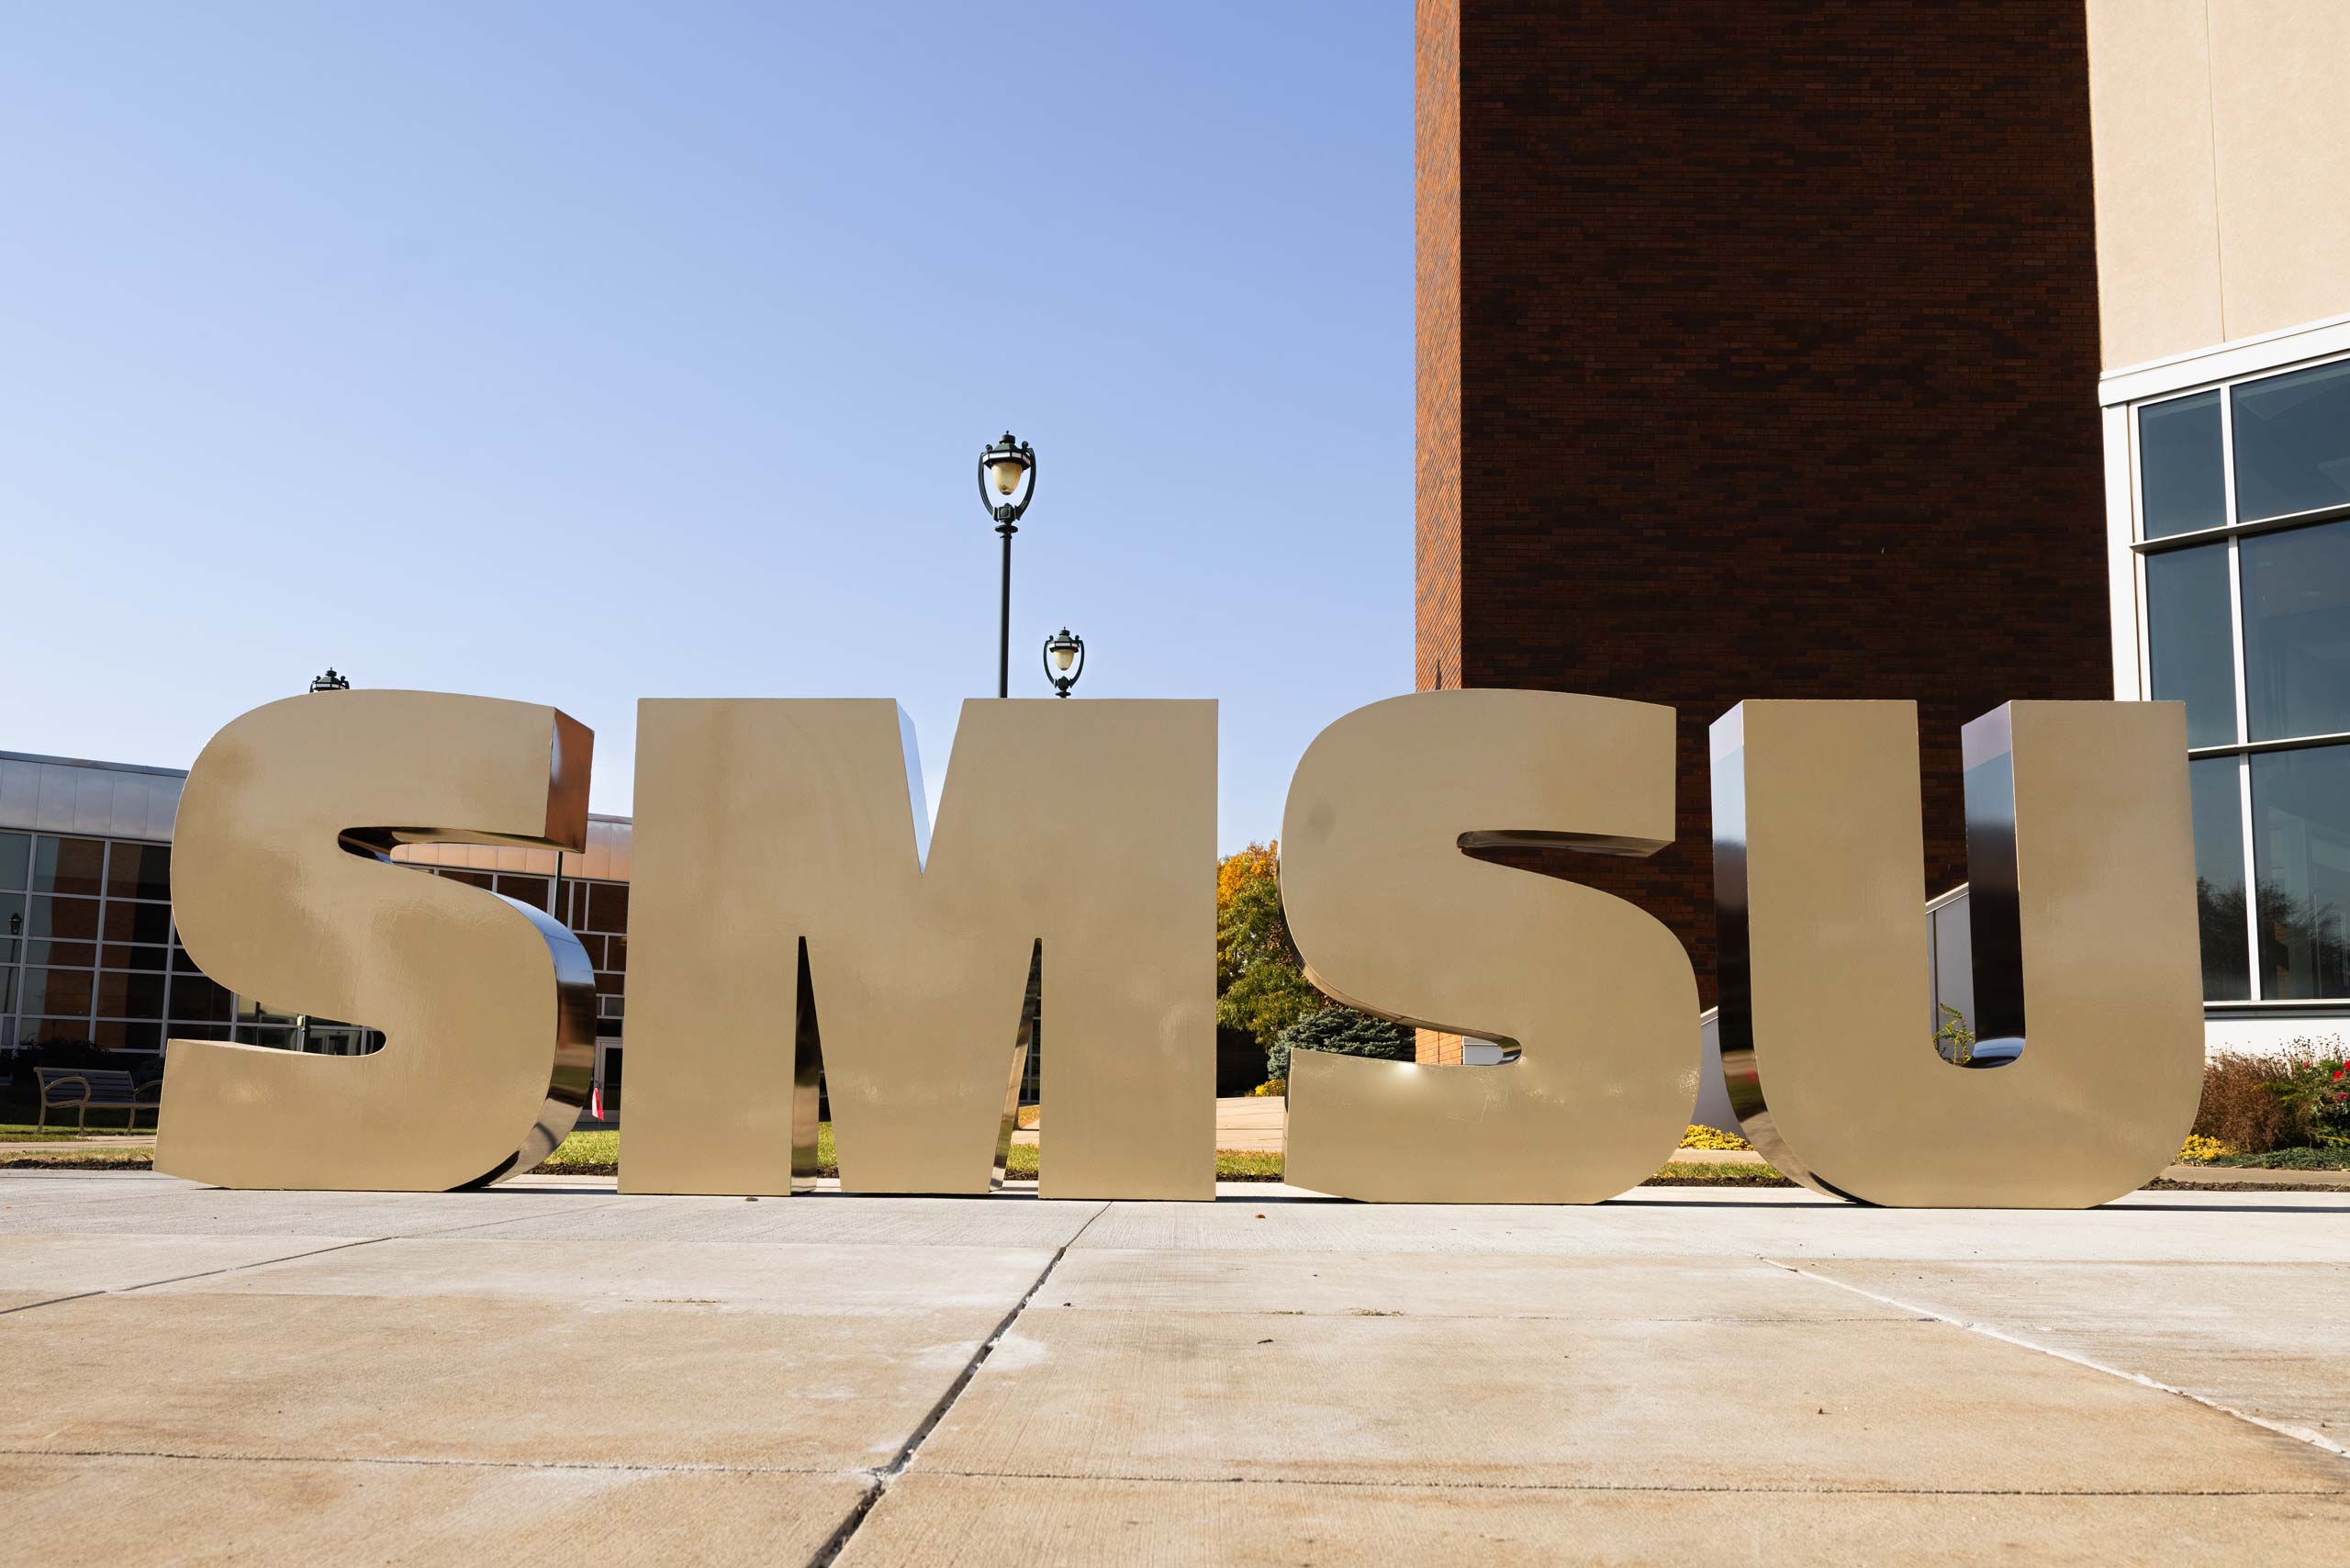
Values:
[(2222, 172)]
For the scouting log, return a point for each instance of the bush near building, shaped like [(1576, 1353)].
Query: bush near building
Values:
[(1341, 1030), (2259, 1101)]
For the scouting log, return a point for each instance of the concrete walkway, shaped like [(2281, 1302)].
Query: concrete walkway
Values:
[(1680, 1376)]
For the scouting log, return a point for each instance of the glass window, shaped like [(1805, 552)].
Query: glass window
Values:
[(194, 997), (531, 890), (607, 907), (616, 952), (138, 922), (7, 989), (37, 1030), (63, 955), (73, 918), (16, 858), (610, 985), (2179, 469), (2292, 442), (2297, 631), (115, 956), (181, 964), (12, 914), (185, 1029), (2301, 828), (2188, 641), (68, 865), (130, 996), (481, 879), (139, 871), (118, 1036), (57, 991), (2214, 785)]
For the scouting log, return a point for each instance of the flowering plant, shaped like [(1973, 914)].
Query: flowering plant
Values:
[(2316, 1095)]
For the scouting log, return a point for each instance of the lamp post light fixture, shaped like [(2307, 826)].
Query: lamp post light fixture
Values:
[(330, 681), (1064, 649), (1003, 465)]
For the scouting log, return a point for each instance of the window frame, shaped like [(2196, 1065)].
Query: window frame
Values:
[(2125, 396)]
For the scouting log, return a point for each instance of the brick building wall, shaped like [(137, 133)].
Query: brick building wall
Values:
[(1758, 358)]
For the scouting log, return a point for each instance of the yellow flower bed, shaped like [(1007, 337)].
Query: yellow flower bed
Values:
[(1712, 1137), (2198, 1149)]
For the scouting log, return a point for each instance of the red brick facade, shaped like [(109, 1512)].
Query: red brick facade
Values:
[(1758, 357)]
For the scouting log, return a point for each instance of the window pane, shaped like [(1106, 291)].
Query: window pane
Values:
[(16, 858), (130, 996), (194, 997), (8, 988), (57, 991), (2292, 442), (2178, 466), (64, 955), (2301, 835), (75, 920), (129, 1037), (2188, 641), (531, 890), (139, 871), (138, 922), (2297, 631), (69, 864), (2214, 783), (607, 907), (114, 957)]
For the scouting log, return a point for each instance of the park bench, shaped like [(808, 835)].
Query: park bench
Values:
[(84, 1090)]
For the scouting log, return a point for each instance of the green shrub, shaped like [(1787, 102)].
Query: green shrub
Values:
[(1340, 1030), (2257, 1102)]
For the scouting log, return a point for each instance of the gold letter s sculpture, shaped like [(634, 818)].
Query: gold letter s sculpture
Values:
[(782, 904), (284, 895), (1391, 916), (2082, 903)]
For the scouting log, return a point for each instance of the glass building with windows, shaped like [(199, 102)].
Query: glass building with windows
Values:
[(89, 952), (2236, 559)]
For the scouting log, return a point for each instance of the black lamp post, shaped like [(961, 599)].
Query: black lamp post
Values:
[(1064, 649), (330, 681), (1003, 463)]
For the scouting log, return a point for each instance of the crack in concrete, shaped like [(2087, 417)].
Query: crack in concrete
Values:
[(268, 1262), (2282, 1428), (455, 1463), (1629, 1486), (879, 1485)]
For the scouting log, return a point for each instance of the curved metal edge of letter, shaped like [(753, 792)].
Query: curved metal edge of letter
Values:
[(284, 893), (1392, 916), (780, 839), (2081, 859)]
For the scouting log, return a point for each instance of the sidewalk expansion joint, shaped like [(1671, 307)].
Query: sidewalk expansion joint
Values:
[(881, 1479), (2282, 1428)]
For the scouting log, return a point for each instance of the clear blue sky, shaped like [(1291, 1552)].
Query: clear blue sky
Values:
[(578, 353)]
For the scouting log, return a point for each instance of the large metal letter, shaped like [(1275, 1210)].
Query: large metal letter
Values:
[(282, 893), (2083, 876), (1393, 918), (1082, 831)]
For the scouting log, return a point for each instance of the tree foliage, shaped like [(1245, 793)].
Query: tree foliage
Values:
[(1341, 1030), (1260, 982)]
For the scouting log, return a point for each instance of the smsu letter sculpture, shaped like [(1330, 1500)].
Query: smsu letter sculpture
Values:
[(790, 912)]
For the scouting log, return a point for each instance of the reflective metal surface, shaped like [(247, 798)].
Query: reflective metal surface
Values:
[(1088, 827), (281, 893), (2082, 873), (1393, 918)]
